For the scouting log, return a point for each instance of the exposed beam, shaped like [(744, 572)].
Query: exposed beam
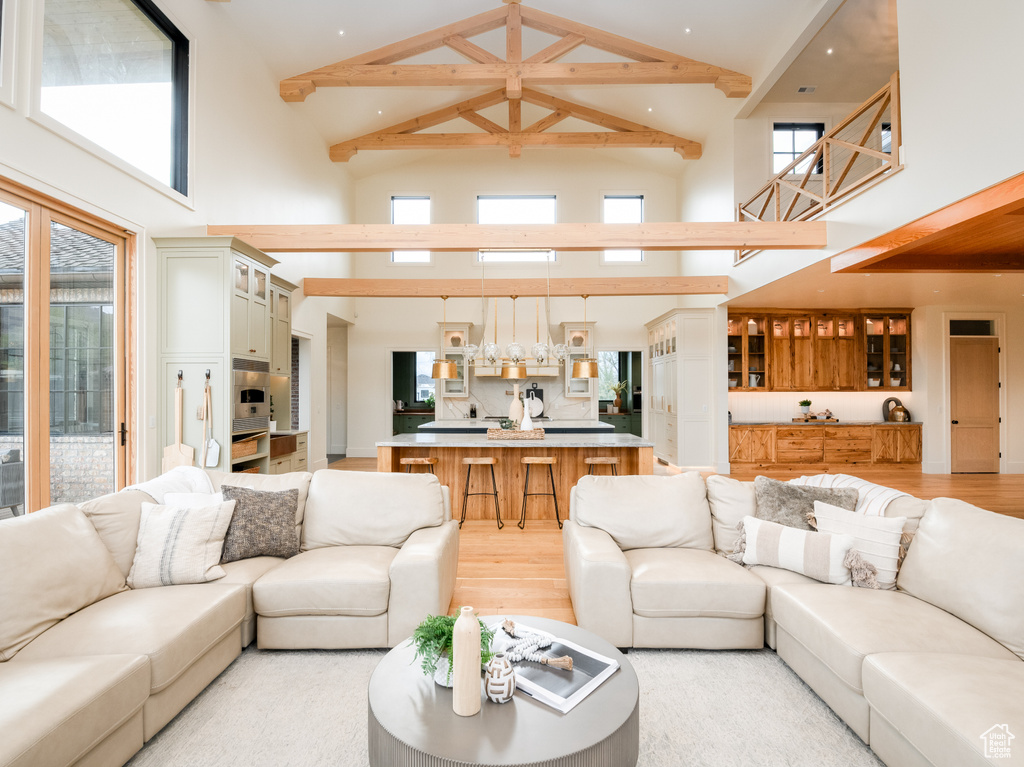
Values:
[(529, 287), (556, 50), (471, 51), (357, 238)]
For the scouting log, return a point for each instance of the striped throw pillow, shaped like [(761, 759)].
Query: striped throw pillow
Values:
[(816, 555), (876, 538), (179, 545)]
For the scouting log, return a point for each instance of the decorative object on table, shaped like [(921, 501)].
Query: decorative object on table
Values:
[(500, 681), (755, 379), (526, 646), (534, 400), (466, 658), (513, 433), (430, 401), (178, 454), (805, 406), (433, 642), (618, 388), (584, 367), (527, 423), (515, 410), (507, 423), (895, 412), (444, 367)]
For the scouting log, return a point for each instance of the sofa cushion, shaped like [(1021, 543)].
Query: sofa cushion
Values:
[(116, 519), (647, 512), (263, 524), (63, 707), (791, 505), (297, 480), (730, 501), (52, 564), (245, 572), (173, 625), (950, 707), (841, 626), (362, 508), (338, 580), (818, 555), (690, 583), (776, 576), (877, 539), (968, 561), (179, 545)]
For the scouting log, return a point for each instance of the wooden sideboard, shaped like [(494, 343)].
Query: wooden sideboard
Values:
[(824, 446)]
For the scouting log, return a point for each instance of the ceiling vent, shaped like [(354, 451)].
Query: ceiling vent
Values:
[(806, 89)]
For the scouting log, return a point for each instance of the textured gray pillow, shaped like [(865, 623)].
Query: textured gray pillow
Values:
[(263, 524), (791, 504)]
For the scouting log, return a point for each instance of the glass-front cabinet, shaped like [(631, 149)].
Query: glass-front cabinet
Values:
[(454, 339), (887, 351), (748, 353)]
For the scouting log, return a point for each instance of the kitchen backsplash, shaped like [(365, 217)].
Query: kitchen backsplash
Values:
[(490, 397), (781, 407)]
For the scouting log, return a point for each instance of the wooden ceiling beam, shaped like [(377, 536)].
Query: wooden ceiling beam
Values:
[(522, 287), (368, 238), (556, 50), (471, 51)]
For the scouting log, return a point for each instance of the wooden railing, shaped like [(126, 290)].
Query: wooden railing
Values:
[(860, 151)]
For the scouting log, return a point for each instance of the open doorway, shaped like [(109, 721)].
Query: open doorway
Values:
[(619, 379), (412, 390)]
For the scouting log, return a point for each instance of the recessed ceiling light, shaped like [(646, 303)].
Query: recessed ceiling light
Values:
[(829, 51), (380, 111), (687, 30), (821, 290), (650, 109), (341, 33), (998, 275), (935, 291)]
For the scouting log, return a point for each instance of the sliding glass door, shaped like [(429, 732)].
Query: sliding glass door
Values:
[(13, 250)]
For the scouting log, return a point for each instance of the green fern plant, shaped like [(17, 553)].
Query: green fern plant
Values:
[(433, 638)]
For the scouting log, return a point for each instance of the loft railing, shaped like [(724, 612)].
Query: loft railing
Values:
[(860, 151)]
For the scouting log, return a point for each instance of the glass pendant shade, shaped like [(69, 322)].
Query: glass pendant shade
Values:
[(515, 352), (540, 353), (513, 370), (585, 367), (444, 369), (492, 353), (561, 351), (469, 351)]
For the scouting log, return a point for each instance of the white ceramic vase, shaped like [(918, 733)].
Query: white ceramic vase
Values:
[(527, 423), (515, 410), (500, 682), (466, 664)]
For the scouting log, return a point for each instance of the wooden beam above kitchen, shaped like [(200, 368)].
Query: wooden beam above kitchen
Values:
[(369, 238), (520, 287), (648, 64)]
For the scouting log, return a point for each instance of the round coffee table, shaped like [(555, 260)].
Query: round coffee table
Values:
[(411, 721)]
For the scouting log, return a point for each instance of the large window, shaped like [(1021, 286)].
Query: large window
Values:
[(516, 209), (116, 72), (624, 209), (410, 210), (63, 361), (790, 140)]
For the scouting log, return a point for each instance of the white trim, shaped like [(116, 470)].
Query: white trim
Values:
[(8, 44), (36, 115), (999, 321)]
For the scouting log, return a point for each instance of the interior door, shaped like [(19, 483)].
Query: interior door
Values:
[(974, 404)]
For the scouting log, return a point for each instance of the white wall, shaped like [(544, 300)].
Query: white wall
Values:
[(255, 160)]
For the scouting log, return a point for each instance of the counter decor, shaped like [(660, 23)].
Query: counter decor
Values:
[(515, 434)]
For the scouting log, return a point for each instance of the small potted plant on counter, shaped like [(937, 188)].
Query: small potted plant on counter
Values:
[(433, 642), (618, 388), (805, 406)]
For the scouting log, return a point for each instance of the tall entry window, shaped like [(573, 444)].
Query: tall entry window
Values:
[(63, 368), (116, 72)]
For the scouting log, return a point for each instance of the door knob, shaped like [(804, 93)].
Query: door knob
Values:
[(954, 422)]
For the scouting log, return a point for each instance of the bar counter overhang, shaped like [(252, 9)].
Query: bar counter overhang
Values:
[(635, 456)]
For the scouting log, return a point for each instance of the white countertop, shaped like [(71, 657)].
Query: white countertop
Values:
[(480, 440), (482, 425)]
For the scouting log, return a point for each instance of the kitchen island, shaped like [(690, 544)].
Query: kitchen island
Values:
[(481, 425), (636, 456)]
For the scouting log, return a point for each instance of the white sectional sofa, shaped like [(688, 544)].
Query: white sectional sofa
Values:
[(90, 669), (921, 673)]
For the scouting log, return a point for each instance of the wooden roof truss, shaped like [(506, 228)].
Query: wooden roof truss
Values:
[(618, 132)]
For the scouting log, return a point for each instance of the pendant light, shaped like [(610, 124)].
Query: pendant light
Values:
[(514, 368), (444, 367), (585, 367), (540, 350)]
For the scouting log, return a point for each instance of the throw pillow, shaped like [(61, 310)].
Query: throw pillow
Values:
[(817, 555), (178, 545), (263, 524), (877, 538), (730, 501), (791, 505)]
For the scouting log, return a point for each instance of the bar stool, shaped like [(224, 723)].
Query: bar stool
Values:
[(408, 463), (549, 462), (602, 461), (469, 463)]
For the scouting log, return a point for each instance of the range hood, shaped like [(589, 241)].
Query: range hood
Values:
[(527, 310)]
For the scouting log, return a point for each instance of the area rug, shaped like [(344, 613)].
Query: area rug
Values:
[(307, 708)]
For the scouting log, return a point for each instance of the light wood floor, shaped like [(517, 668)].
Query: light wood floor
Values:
[(521, 571)]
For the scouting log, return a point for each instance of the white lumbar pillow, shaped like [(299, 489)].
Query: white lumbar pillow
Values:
[(179, 545), (877, 538), (816, 555)]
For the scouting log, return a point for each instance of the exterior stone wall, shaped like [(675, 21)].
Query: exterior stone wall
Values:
[(81, 466), (295, 383)]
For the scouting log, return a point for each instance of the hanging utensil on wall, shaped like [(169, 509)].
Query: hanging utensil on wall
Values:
[(211, 450), (178, 454)]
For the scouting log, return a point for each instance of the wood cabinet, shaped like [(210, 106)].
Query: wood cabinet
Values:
[(830, 350), (822, 446), (296, 460)]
